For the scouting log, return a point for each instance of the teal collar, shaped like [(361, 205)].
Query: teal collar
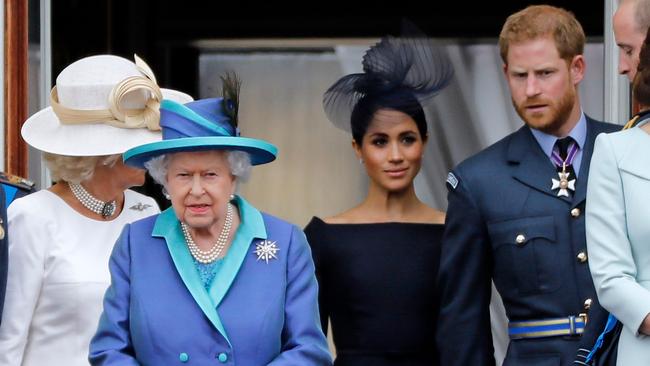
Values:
[(251, 227)]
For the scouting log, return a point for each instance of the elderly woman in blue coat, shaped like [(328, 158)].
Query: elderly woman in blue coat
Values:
[(211, 280)]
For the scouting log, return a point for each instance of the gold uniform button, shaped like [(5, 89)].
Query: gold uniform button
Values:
[(520, 239), (575, 212), (582, 257), (587, 304)]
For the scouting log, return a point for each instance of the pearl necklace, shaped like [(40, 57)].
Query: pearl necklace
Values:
[(106, 209), (213, 253)]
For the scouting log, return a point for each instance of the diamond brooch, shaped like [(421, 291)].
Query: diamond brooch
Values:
[(266, 250)]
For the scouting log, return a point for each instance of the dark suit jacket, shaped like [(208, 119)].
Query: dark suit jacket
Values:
[(503, 192)]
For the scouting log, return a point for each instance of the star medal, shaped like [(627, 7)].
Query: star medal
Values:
[(266, 250), (564, 184)]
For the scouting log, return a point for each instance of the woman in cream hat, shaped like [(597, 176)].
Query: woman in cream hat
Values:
[(211, 280), (62, 236)]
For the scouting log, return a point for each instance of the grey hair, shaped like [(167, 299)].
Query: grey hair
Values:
[(76, 169), (239, 162)]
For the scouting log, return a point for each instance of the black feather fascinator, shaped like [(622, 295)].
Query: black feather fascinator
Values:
[(231, 85), (411, 65)]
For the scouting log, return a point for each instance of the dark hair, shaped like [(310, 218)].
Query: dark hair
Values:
[(399, 100), (641, 83)]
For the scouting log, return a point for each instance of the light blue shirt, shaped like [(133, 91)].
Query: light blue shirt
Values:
[(578, 133)]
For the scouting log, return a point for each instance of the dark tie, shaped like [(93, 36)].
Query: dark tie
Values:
[(563, 148)]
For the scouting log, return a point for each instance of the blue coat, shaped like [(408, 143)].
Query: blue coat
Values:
[(157, 312), (618, 235), (500, 194)]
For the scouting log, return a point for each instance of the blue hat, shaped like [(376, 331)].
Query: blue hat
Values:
[(198, 126)]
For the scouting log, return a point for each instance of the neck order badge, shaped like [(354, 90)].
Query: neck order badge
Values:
[(563, 155)]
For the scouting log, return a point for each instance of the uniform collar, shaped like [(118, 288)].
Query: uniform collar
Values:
[(547, 142)]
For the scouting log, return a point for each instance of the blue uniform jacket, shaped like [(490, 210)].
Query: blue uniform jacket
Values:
[(496, 196), (3, 250), (157, 312)]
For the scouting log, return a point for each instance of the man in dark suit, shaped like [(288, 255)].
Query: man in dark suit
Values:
[(515, 212)]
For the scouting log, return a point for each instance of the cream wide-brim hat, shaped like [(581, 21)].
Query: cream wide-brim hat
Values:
[(86, 85)]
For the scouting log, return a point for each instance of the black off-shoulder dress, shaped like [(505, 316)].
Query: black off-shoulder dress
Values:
[(378, 287)]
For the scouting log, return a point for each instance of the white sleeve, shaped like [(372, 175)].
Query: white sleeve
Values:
[(28, 239)]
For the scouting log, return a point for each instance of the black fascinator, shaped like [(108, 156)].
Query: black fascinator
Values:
[(410, 67), (231, 86)]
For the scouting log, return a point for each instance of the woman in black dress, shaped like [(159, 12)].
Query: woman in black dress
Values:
[(377, 262)]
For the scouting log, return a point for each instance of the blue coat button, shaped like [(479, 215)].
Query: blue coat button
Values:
[(222, 357), (183, 357)]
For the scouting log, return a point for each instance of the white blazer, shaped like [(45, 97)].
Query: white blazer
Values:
[(57, 276), (618, 235)]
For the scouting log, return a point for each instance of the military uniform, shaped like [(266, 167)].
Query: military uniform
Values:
[(14, 187), (3, 250), (505, 223)]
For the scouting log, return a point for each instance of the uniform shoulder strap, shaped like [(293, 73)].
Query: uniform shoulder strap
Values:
[(15, 187), (16, 181)]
